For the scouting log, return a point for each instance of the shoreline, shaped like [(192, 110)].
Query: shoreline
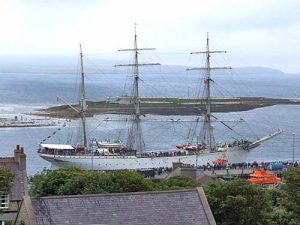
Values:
[(159, 106), (25, 122)]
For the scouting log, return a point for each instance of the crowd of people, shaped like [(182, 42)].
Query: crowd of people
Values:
[(230, 166), (244, 165)]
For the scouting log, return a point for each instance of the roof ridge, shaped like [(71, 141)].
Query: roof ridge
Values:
[(116, 194), (3, 163), (7, 158)]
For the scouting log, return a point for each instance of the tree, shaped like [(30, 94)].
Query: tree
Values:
[(177, 182), (89, 182), (6, 180), (98, 183), (130, 181), (280, 216), (73, 181), (277, 195), (291, 186), (49, 182), (238, 202)]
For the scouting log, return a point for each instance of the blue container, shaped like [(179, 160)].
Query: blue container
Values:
[(276, 166)]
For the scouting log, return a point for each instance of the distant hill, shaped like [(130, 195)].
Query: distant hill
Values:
[(69, 64), (258, 71)]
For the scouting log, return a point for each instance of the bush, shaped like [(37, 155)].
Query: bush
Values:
[(177, 182), (6, 180), (238, 202), (73, 181)]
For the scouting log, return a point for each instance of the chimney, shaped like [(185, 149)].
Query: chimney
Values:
[(189, 172), (20, 157), (17, 153)]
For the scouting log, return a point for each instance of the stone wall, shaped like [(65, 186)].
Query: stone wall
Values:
[(25, 215)]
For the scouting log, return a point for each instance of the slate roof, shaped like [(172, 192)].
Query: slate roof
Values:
[(19, 188), (188, 207)]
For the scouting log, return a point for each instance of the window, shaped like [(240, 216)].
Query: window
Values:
[(8, 222), (4, 201)]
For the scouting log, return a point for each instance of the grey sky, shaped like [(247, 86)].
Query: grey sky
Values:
[(254, 32)]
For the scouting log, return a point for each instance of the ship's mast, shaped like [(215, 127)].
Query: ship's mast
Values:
[(135, 135), (206, 134), (83, 105)]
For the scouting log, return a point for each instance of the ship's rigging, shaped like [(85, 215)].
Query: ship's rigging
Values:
[(205, 139), (135, 137), (207, 135)]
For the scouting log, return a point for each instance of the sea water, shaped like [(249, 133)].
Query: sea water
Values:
[(25, 93)]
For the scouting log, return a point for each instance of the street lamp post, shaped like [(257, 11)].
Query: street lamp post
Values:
[(293, 149)]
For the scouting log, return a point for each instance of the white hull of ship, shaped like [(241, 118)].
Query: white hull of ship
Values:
[(88, 162), (105, 163)]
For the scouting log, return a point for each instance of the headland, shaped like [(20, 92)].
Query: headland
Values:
[(167, 106)]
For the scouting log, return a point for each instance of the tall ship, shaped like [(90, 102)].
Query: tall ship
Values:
[(106, 156)]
